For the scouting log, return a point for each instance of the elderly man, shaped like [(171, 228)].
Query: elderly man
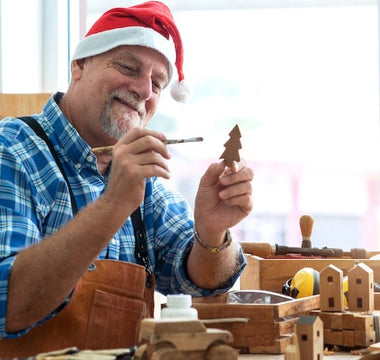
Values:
[(71, 274)]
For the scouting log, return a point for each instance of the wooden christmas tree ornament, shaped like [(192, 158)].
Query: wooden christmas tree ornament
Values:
[(231, 153)]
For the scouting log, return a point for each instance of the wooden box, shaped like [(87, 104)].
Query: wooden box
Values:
[(256, 328), (271, 274), (270, 326)]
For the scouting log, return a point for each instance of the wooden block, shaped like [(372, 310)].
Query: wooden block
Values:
[(336, 321), (348, 338), (357, 321), (333, 337), (348, 320), (331, 320), (364, 338), (325, 317)]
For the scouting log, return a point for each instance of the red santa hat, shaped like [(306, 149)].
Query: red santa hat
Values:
[(150, 24)]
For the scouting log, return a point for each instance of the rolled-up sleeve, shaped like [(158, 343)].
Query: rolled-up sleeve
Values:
[(5, 270), (20, 214), (169, 222), (190, 288), (18, 229)]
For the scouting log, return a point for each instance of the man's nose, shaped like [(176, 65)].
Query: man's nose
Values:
[(142, 88)]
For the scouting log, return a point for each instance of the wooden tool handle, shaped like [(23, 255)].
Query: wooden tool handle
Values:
[(306, 224), (263, 250)]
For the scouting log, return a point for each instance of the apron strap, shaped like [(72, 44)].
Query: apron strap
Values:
[(37, 128)]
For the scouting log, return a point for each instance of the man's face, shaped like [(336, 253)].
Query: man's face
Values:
[(125, 86)]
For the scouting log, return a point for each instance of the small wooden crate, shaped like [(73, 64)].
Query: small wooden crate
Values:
[(269, 328), (271, 274)]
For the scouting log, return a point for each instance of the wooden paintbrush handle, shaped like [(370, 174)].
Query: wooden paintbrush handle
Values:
[(306, 224), (263, 250)]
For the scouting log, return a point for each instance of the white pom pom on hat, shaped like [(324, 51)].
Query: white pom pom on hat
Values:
[(180, 91), (150, 24)]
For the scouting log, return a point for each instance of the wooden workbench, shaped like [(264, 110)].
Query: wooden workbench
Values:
[(337, 356)]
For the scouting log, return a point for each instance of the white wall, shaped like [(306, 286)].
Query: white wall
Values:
[(36, 45), (21, 46)]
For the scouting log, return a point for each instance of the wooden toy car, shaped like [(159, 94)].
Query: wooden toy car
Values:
[(173, 339)]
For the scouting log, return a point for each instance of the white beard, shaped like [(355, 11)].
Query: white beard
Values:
[(110, 122)]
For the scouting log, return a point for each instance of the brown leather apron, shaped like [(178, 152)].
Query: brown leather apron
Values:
[(104, 312)]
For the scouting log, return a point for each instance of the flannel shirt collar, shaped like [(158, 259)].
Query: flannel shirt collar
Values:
[(65, 137)]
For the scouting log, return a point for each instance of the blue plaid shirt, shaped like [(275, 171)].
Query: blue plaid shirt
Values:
[(35, 202)]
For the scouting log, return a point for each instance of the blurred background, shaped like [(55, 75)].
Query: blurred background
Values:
[(299, 77)]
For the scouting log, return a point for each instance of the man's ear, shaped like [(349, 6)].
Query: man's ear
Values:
[(77, 67), (81, 62)]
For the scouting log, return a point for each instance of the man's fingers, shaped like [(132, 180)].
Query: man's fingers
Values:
[(244, 174)]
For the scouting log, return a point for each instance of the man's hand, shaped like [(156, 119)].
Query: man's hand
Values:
[(138, 155), (224, 198)]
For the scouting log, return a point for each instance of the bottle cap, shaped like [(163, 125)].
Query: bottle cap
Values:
[(178, 301)]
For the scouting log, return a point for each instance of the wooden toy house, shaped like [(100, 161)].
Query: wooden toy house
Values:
[(331, 289), (309, 332), (361, 288)]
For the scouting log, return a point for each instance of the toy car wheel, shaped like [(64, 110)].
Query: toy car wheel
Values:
[(166, 351), (221, 352), (140, 353)]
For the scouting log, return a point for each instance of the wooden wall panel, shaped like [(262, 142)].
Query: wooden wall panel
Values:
[(21, 104)]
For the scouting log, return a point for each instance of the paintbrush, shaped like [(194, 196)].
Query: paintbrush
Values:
[(108, 149)]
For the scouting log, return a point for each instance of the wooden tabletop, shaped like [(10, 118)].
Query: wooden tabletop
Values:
[(339, 356)]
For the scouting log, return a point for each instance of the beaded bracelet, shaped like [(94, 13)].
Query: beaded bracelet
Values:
[(226, 242)]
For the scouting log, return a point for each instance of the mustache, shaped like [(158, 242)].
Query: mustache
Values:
[(128, 99)]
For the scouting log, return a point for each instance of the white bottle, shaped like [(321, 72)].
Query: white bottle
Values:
[(179, 306)]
